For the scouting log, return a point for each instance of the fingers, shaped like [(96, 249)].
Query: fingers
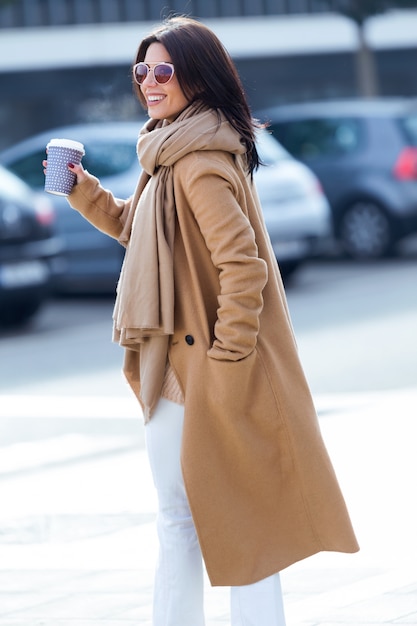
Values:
[(78, 170)]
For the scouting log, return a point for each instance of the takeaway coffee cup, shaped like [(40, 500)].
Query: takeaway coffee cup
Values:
[(59, 180)]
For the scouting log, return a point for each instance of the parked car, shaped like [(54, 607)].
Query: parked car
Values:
[(93, 259), (29, 250), (296, 211), (365, 155)]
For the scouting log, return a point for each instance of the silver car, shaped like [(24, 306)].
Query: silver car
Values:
[(296, 211)]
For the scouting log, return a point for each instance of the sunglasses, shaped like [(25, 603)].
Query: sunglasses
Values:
[(162, 72)]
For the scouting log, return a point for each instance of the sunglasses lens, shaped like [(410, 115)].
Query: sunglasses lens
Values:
[(141, 72), (163, 73)]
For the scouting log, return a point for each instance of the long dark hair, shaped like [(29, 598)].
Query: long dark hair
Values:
[(206, 73)]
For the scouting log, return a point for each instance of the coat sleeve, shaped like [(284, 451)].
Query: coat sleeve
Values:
[(99, 206), (212, 192)]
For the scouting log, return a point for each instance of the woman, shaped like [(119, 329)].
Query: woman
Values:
[(240, 468)]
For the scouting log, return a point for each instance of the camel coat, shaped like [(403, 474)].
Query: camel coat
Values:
[(260, 484)]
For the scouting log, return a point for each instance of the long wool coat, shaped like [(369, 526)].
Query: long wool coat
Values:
[(260, 484)]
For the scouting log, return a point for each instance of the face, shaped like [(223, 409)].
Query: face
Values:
[(163, 101)]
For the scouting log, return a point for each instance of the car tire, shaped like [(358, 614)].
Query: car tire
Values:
[(19, 313), (365, 231)]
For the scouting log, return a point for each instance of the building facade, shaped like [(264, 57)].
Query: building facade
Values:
[(68, 61), (30, 13)]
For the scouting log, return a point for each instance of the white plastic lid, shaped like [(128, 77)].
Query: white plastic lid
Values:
[(66, 143)]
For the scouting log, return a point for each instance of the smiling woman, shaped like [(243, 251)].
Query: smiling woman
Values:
[(242, 474), (159, 85)]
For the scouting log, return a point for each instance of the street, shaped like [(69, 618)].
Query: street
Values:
[(77, 534), (356, 327)]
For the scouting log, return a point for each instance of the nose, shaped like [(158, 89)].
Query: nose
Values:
[(150, 78)]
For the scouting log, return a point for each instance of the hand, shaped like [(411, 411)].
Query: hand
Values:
[(78, 170)]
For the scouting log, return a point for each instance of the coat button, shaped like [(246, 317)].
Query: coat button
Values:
[(189, 339)]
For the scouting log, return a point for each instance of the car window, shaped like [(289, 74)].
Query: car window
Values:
[(101, 159), (29, 168), (109, 159), (409, 125), (311, 138), (270, 150)]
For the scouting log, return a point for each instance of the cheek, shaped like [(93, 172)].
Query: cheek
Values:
[(180, 98), (177, 91)]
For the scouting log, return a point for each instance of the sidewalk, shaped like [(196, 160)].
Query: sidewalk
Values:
[(77, 536)]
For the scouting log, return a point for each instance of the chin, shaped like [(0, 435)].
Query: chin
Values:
[(155, 116)]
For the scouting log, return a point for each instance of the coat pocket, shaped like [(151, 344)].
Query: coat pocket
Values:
[(241, 391)]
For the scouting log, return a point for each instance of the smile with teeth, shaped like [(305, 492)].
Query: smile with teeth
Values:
[(155, 98)]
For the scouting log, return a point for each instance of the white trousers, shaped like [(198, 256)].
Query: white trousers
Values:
[(179, 593)]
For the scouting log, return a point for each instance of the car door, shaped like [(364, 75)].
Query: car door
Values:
[(329, 146)]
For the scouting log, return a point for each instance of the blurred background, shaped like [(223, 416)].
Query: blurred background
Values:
[(336, 81), (68, 61)]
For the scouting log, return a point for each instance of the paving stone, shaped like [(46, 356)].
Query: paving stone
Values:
[(74, 557), (386, 608), (80, 606)]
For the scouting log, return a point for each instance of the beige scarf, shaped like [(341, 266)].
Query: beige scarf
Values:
[(144, 308)]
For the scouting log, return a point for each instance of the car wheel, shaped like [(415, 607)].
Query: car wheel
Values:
[(19, 313), (365, 231)]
